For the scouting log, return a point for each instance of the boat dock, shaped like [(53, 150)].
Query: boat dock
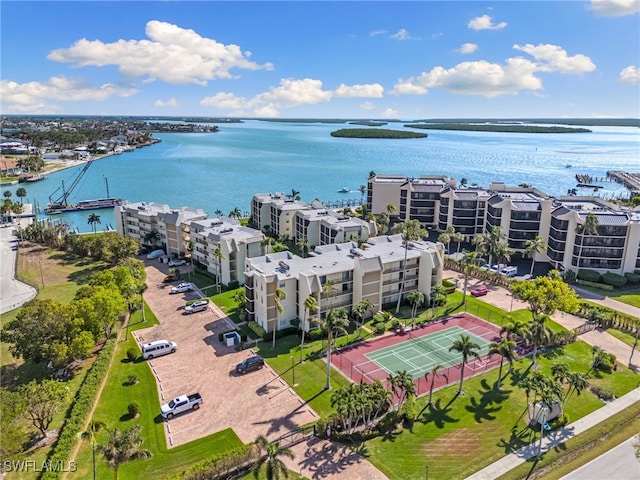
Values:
[(629, 180)]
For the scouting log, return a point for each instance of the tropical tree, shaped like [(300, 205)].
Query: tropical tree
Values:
[(588, 228), (295, 194), (218, 213), (362, 189), (458, 238), (278, 296), (240, 297), (310, 306), (122, 447), (515, 328), (577, 383), (402, 386), (359, 312), (533, 247), (489, 242), (235, 213), (21, 193), (219, 256), (335, 323), (303, 244), (410, 230), (90, 434), (7, 194), (445, 239), (468, 259), (467, 348), (267, 242), (506, 349), (94, 220), (271, 459), (434, 373), (538, 333), (416, 298), (151, 237), (41, 401)]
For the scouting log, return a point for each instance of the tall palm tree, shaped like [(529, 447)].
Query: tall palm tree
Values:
[(93, 221), (458, 238), (335, 323), (21, 193), (275, 468), (465, 347), (445, 239), (218, 256), (295, 194), (235, 213), (588, 228), (402, 386), (90, 434), (267, 242), (577, 383), (362, 189), (310, 306), (123, 447), (538, 333), (278, 296), (434, 373), (468, 259), (515, 328), (504, 348), (303, 244), (533, 247), (218, 213), (359, 311), (410, 230), (416, 298)]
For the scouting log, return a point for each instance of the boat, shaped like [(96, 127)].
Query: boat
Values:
[(568, 165), (62, 205), (344, 190)]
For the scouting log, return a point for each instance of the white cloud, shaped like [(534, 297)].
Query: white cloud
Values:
[(485, 22), (367, 106), (615, 8), (32, 96), (377, 32), (172, 102), (630, 75), (390, 113), (552, 58), (436, 35), (373, 90), (172, 54), (289, 93), (467, 48), (402, 34)]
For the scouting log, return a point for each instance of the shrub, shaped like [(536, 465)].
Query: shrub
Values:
[(632, 277), (449, 286), (589, 275), (317, 334), (132, 380), (132, 354), (570, 276), (284, 332), (257, 329), (614, 279), (133, 409), (602, 393), (601, 286)]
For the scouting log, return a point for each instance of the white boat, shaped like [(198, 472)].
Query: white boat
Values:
[(344, 190)]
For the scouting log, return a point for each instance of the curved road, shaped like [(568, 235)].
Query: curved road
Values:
[(12, 292), (619, 463)]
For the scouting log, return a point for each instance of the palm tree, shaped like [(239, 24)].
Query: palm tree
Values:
[(152, 237), (21, 193), (277, 297), (310, 306), (445, 239), (218, 213), (217, 254), (267, 242), (577, 383), (465, 347), (93, 220), (515, 328), (303, 244), (402, 386), (538, 333), (504, 348), (416, 298), (410, 230), (359, 311), (335, 322), (271, 459), (589, 227), (434, 373), (532, 247), (235, 213), (458, 238), (468, 259), (7, 194), (90, 434), (362, 189), (123, 447), (295, 194)]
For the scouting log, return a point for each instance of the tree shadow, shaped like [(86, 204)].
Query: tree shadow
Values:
[(517, 439), (552, 352), (481, 410), (439, 415)]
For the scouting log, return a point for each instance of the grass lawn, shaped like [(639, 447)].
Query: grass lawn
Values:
[(112, 410), (462, 434), (628, 295), (622, 336), (227, 304)]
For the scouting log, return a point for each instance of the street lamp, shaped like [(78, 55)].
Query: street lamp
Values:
[(293, 371), (426, 473)]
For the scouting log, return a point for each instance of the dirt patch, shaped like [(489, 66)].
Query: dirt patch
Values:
[(464, 443), (36, 262)]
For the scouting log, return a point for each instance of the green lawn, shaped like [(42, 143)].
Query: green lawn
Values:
[(622, 336), (112, 410), (628, 295)]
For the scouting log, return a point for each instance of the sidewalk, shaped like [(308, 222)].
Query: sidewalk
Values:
[(556, 438)]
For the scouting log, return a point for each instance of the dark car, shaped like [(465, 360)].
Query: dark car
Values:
[(479, 291), (250, 364)]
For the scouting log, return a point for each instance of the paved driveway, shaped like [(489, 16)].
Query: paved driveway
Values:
[(257, 403), (12, 292)]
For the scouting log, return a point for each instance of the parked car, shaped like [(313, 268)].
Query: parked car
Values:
[(198, 306), (486, 266), (169, 278), (155, 254), (509, 271), (250, 364), (143, 249), (182, 403), (158, 348), (177, 263), (496, 268), (479, 291), (182, 287)]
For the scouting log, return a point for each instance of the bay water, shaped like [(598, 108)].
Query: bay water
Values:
[(222, 171)]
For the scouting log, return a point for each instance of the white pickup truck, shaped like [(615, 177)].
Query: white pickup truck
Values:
[(181, 404)]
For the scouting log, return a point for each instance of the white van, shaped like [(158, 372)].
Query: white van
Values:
[(158, 348), (509, 271)]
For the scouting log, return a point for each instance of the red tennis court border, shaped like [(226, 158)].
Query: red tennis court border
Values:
[(353, 363)]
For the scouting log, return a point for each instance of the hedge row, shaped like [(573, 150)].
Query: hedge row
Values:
[(257, 329), (223, 465), (284, 332), (83, 401), (601, 286)]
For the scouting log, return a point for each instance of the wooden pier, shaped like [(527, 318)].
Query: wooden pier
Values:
[(629, 180)]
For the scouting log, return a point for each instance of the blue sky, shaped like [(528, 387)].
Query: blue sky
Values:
[(361, 59)]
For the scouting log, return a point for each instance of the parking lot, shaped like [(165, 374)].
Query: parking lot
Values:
[(257, 403)]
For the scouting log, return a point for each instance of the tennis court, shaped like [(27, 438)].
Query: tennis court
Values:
[(420, 355), (419, 351)]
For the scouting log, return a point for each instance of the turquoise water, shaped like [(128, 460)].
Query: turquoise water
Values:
[(224, 170)]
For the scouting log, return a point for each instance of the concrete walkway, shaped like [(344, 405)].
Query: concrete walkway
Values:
[(556, 438), (13, 293)]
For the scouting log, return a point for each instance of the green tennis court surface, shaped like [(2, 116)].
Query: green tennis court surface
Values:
[(420, 355)]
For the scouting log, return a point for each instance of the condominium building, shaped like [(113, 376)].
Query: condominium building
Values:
[(339, 276), (320, 226), (157, 224), (275, 213), (222, 245), (521, 214)]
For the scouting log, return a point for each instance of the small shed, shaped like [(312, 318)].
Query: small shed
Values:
[(540, 413), (231, 338)]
